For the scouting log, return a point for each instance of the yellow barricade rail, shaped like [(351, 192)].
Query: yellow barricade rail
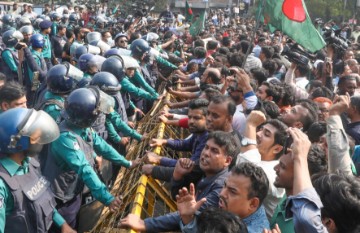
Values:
[(142, 195)]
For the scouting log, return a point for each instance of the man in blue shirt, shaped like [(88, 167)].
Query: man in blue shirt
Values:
[(214, 162), (195, 143), (243, 193)]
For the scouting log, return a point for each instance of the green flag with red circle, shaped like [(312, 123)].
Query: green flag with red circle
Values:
[(292, 18)]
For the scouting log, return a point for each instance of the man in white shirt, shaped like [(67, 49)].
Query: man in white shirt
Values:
[(264, 149), (30, 13)]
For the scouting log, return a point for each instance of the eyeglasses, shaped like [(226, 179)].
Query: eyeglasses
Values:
[(123, 41)]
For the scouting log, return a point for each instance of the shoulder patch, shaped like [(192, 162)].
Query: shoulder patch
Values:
[(76, 146)]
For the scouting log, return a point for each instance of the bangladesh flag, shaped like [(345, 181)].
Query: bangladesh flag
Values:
[(292, 18), (199, 24), (188, 12)]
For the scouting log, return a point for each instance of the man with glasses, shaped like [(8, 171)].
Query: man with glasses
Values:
[(121, 41)]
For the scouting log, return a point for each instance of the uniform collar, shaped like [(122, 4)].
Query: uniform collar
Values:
[(11, 166), (50, 95)]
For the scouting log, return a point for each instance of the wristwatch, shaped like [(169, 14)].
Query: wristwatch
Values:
[(247, 141)]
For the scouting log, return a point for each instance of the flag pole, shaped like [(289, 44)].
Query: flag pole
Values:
[(257, 24)]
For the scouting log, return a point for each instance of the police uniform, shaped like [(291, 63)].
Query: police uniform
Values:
[(11, 60), (54, 29), (46, 51), (139, 81), (39, 61), (52, 105), (25, 197), (70, 166)]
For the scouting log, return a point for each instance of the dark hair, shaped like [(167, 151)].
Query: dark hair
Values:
[(271, 66), (236, 59), (201, 104), (77, 31), (317, 162), (61, 27), (259, 75), (355, 102), (212, 44), (259, 181), (245, 45), (340, 195), (272, 90), (315, 131), (224, 50), (211, 92), (11, 91), (303, 70), (342, 80), (199, 52), (268, 51), (288, 95), (280, 133), (69, 33), (199, 43), (226, 140), (322, 92), (271, 109), (226, 41), (311, 116), (221, 99), (214, 220)]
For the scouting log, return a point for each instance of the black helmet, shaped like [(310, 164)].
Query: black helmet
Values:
[(84, 105), (112, 52), (12, 37), (114, 65), (58, 80), (107, 82), (80, 51), (81, 107), (8, 20), (73, 18), (86, 61), (139, 47)]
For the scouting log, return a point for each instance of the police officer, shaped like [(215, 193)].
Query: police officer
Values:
[(8, 23), (45, 30), (118, 118), (9, 55), (114, 66), (27, 32), (26, 201), (69, 166), (35, 67), (55, 18), (140, 51), (87, 63), (59, 84)]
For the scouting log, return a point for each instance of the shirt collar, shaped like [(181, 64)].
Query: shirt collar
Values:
[(258, 215), (11, 166)]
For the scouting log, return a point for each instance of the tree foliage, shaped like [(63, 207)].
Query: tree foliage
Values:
[(332, 9)]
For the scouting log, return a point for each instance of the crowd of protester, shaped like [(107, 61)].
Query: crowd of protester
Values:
[(274, 131)]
